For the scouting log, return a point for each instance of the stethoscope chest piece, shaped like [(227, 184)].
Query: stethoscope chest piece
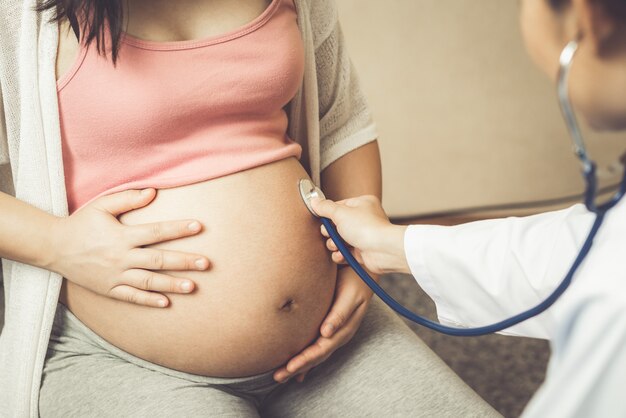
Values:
[(308, 191)]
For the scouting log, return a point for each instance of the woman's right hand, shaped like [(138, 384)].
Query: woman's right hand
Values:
[(94, 250)]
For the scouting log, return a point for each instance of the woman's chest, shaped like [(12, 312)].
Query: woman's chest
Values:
[(165, 21), (253, 70)]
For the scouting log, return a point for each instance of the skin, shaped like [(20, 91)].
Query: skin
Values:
[(163, 20), (159, 20), (597, 87), (598, 75), (352, 296)]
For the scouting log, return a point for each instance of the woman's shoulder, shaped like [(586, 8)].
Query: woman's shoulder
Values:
[(321, 10), (323, 17)]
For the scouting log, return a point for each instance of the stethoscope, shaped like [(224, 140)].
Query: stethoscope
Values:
[(308, 191)]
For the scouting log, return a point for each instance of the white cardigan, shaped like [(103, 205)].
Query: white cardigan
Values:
[(329, 117)]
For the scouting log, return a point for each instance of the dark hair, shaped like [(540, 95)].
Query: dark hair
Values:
[(98, 12), (616, 8), (95, 13)]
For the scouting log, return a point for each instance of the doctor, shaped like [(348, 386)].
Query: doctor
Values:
[(480, 272)]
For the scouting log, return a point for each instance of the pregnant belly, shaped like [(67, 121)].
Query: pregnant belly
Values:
[(270, 284)]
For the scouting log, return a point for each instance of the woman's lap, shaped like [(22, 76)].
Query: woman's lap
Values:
[(385, 370), (85, 376), (126, 390)]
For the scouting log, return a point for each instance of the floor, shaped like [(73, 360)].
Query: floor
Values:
[(504, 370)]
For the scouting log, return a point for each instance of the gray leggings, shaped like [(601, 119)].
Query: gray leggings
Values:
[(384, 371)]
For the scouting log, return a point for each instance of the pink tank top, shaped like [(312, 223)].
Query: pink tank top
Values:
[(175, 113)]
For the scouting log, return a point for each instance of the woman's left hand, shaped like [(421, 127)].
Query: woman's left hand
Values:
[(352, 298)]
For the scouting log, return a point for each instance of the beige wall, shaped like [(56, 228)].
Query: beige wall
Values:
[(465, 119)]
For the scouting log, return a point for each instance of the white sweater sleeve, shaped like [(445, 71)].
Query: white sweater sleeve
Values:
[(346, 122), (482, 272), (4, 148)]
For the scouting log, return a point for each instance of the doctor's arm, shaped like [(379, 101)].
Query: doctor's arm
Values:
[(485, 271), (477, 273)]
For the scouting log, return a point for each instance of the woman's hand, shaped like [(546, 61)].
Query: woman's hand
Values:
[(362, 223), (94, 250), (352, 298)]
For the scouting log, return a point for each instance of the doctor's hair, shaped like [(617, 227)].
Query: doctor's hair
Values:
[(97, 13), (615, 8)]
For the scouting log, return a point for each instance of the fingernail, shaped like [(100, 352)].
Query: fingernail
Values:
[(200, 263), (162, 303), (145, 192), (185, 286), (194, 226), (329, 328)]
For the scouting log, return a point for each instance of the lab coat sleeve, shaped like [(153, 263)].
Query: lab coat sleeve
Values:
[(482, 272), (587, 368)]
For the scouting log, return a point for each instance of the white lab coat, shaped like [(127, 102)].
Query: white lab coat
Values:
[(481, 272)]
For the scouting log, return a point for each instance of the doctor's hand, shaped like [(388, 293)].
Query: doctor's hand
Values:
[(362, 223), (93, 249), (352, 297)]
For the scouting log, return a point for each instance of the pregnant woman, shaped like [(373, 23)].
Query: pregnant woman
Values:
[(215, 109)]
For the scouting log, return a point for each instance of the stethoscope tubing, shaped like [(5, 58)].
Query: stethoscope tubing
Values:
[(464, 332), (589, 173)]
